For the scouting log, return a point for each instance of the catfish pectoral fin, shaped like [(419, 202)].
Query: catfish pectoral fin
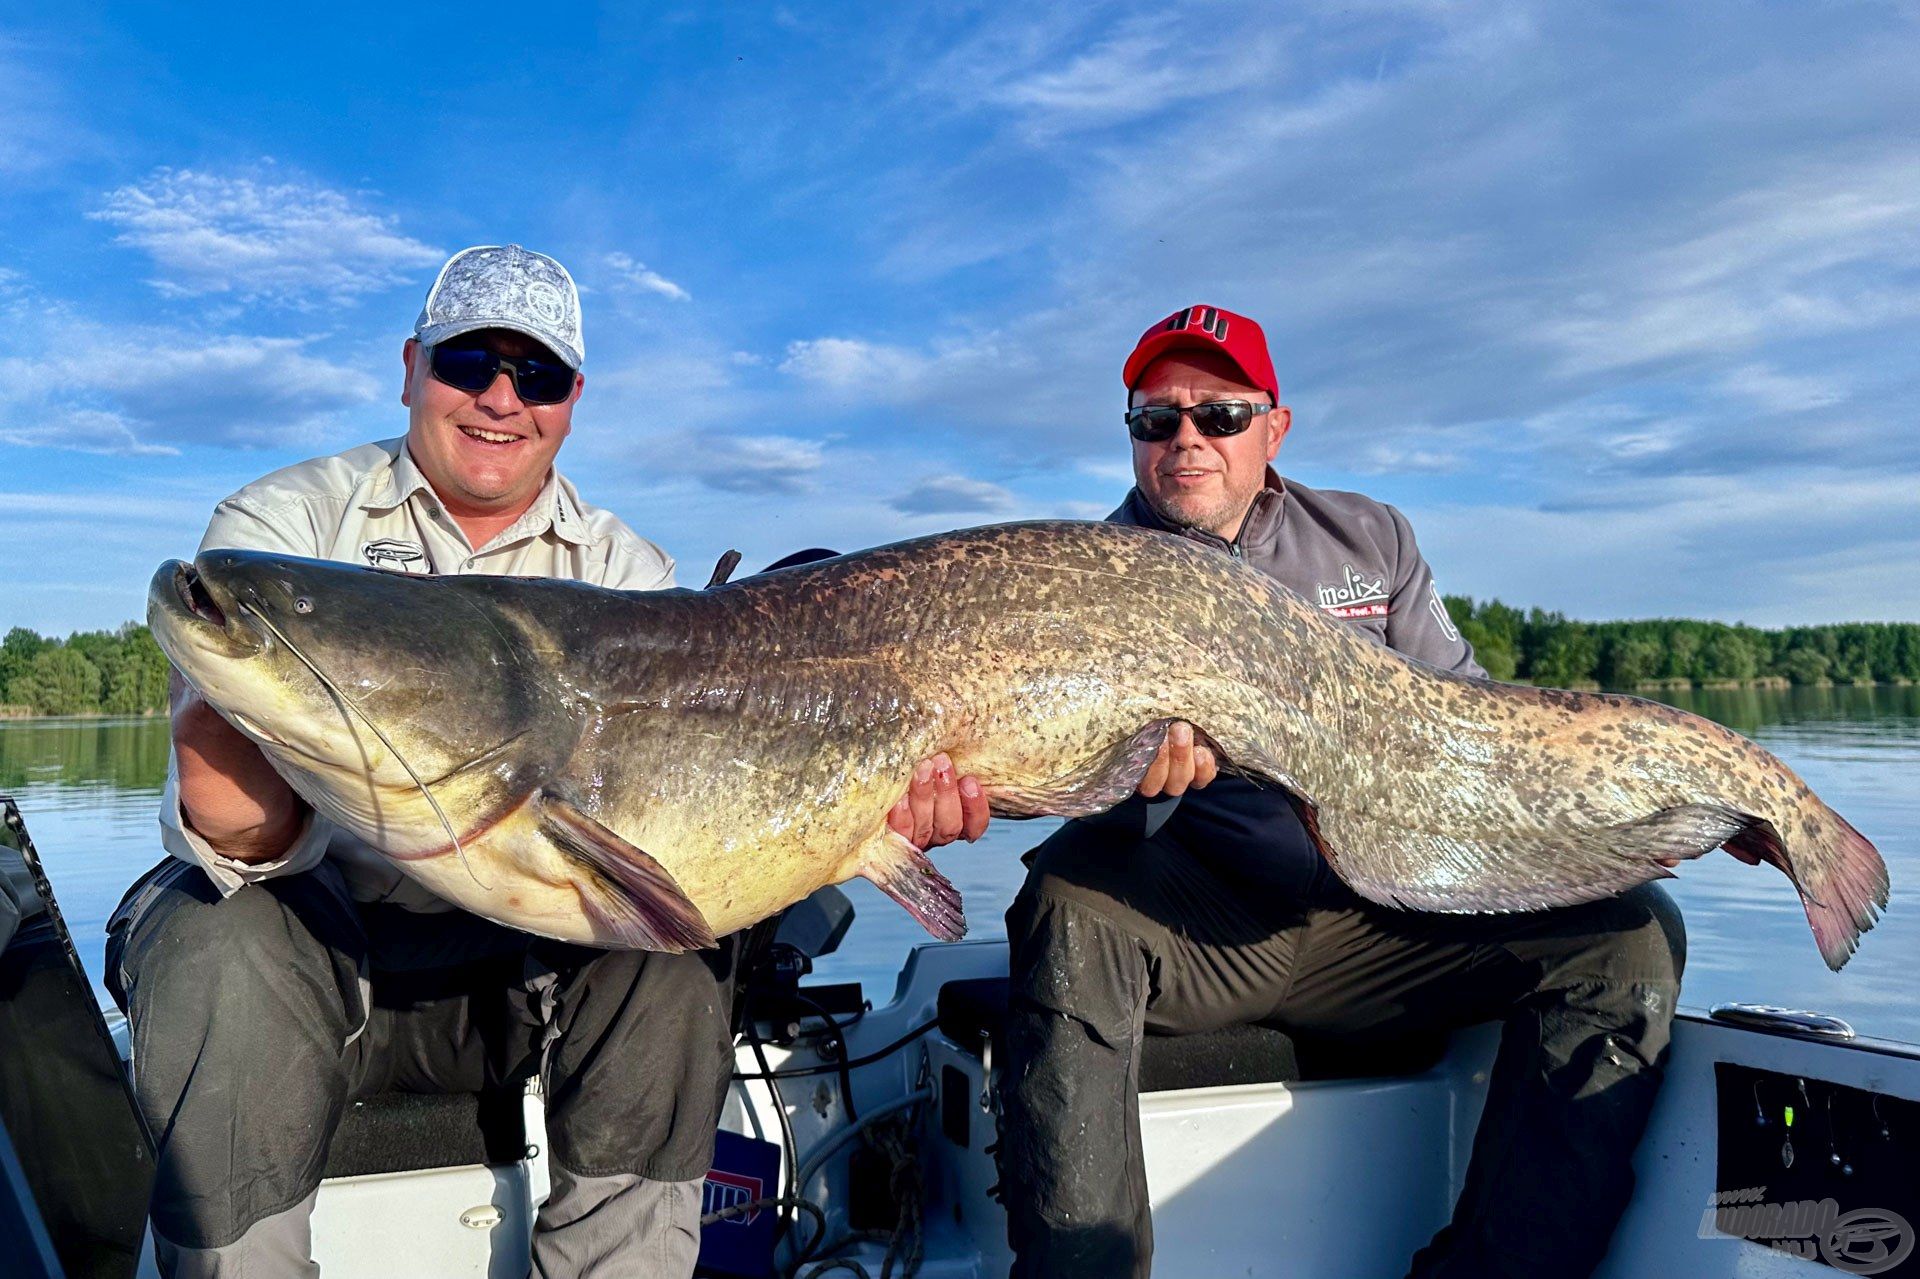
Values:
[(626, 891), (901, 871)]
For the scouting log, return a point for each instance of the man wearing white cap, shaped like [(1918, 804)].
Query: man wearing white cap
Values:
[(275, 969)]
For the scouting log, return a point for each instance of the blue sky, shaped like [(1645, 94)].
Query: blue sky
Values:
[(1618, 302)]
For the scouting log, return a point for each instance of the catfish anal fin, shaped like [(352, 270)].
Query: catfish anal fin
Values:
[(901, 871), (625, 889)]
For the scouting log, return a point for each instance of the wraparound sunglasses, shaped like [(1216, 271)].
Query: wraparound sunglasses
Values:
[(1154, 423)]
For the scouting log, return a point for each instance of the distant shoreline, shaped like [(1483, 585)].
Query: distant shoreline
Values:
[(22, 715), (1718, 685)]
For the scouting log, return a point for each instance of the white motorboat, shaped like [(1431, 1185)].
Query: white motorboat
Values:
[(861, 1141)]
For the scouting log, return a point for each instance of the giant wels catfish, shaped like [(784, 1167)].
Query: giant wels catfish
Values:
[(651, 770)]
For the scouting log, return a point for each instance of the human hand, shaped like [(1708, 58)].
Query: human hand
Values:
[(1180, 766), (229, 793), (939, 808)]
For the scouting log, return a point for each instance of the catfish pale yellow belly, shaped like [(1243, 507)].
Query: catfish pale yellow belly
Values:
[(652, 770)]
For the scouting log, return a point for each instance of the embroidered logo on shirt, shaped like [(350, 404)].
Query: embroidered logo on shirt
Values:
[(395, 555), (1357, 595)]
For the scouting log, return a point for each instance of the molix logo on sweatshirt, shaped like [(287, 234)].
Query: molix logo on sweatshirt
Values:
[(1356, 595)]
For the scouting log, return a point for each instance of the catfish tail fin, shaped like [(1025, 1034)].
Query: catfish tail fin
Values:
[(1840, 875)]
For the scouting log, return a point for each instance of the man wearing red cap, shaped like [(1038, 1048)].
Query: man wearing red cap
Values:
[(1210, 908)]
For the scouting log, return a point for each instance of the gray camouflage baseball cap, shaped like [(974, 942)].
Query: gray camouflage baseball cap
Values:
[(503, 286)]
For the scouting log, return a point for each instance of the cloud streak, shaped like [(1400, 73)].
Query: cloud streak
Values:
[(953, 495), (138, 390), (638, 275), (264, 236)]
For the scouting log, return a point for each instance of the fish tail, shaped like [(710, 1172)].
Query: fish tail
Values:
[(1841, 876)]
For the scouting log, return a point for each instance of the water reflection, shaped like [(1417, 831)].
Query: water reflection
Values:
[(88, 789), (129, 754)]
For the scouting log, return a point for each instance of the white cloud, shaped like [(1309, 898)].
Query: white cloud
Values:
[(1777, 392), (766, 464), (1382, 459), (39, 128), (872, 371), (1438, 266), (953, 495), (83, 430), (95, 505), (1777, 260), (262, 236), (639, 276), (136, 389), (1693, 546)]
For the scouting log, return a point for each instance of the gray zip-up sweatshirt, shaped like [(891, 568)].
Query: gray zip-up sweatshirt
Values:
[(1356, 559)]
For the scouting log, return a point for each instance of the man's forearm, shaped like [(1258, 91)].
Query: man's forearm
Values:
[(229, 793)]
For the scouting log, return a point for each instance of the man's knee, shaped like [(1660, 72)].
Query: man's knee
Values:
[(638, 1075), (192, 947), (1615, 987), (1643, 939)]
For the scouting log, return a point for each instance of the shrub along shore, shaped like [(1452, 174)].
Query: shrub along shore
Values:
[(120, 672), (1546, 648), (123, 672)]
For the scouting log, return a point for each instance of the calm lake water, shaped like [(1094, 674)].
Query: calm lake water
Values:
[(88, 789)]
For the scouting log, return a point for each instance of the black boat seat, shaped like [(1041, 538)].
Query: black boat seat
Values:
[(974, 1010), (406, 1132)]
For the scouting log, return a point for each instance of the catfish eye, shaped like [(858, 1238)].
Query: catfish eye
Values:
[(302, 604)]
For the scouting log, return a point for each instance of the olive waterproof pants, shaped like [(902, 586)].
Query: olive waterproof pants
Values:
[(1114, 935), (257, 1018)]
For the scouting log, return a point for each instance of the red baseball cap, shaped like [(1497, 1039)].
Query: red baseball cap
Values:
[(1212, 329)]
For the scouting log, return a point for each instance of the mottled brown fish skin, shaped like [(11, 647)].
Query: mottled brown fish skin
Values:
[(751, 738)]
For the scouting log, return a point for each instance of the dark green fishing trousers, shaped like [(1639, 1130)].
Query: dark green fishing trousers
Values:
[(257, 1018), (1114, 935)]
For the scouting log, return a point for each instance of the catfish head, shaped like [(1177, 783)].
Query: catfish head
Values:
[(412, 711)]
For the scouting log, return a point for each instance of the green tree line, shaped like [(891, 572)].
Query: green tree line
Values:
[(123, 672), (1548, 649), (119, 672)]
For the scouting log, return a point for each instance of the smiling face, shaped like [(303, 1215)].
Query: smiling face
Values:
[(1197, 481), (486, 453)]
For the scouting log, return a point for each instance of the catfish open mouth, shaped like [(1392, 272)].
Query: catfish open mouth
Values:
[(199, 608), (194, 597)]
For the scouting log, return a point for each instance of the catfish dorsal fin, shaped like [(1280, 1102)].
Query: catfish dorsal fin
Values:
[(626, 891), (900, 870)]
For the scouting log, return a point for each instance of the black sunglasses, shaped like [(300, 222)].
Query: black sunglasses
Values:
[(473, 368), (1153, 423)]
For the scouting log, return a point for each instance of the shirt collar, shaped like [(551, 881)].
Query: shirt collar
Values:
[(557, 507), (400, 481)]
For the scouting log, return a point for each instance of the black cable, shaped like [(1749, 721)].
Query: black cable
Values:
[(783, 1201), (765, 1072), (790, 1148), (755, 1205), (838, 1042)]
